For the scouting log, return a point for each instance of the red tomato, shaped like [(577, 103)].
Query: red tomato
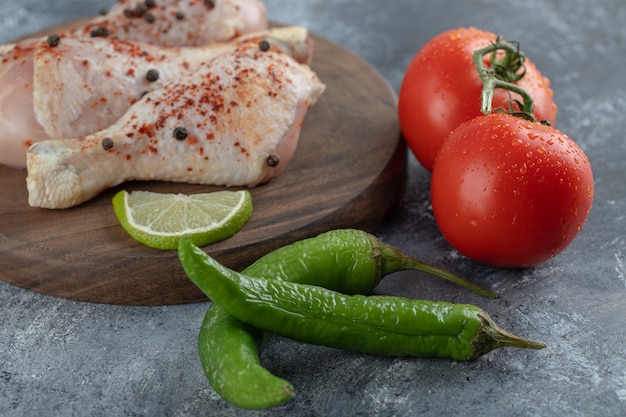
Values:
[(509, 192), (441, 89)]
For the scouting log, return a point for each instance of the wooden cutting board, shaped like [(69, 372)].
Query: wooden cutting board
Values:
[(348, 172)]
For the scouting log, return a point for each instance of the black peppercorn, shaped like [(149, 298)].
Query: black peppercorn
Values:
[(138, 11), (180, 133), (209, 3), (149, 17), (53, 40), (152, 75), (100, 32), (149, 3), (264, 45), (180, 15), (272, 161), (107, 144)]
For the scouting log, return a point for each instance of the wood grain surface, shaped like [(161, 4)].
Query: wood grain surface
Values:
[(348, 171)]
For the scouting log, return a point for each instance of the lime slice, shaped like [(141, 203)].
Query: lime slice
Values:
[(159, 220)]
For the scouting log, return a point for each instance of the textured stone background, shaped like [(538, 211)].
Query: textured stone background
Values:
[(65, 358)]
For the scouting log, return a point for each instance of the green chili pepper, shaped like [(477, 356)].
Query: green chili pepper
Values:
[(382, 325), (346, 260), (349, 261)]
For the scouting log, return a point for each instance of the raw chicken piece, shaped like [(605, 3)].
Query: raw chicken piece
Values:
[(84, 85), (178, 22), (18, 126), (235, 122), (96, 81), (6, 48)]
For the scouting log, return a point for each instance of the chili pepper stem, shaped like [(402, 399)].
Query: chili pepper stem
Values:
[(491, 336), (394, 260)]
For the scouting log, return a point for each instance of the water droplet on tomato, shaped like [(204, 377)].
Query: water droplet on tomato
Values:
[(516, 193), (516, 142), (541, 150), (529, 154), (532, 136), (523, 169)]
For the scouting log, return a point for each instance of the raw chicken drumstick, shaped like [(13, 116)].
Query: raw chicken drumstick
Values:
[(82, 85), (235, 122), (158, 22), (177, 22)]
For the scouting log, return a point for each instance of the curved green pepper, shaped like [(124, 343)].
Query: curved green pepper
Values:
[(228, 351), (382, 325)]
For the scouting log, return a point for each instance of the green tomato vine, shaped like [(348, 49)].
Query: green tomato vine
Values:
[(506, 66)]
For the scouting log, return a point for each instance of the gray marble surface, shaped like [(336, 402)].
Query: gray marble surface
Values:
[(66, 358)]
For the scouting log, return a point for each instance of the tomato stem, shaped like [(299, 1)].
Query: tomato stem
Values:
[(506, 62)]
